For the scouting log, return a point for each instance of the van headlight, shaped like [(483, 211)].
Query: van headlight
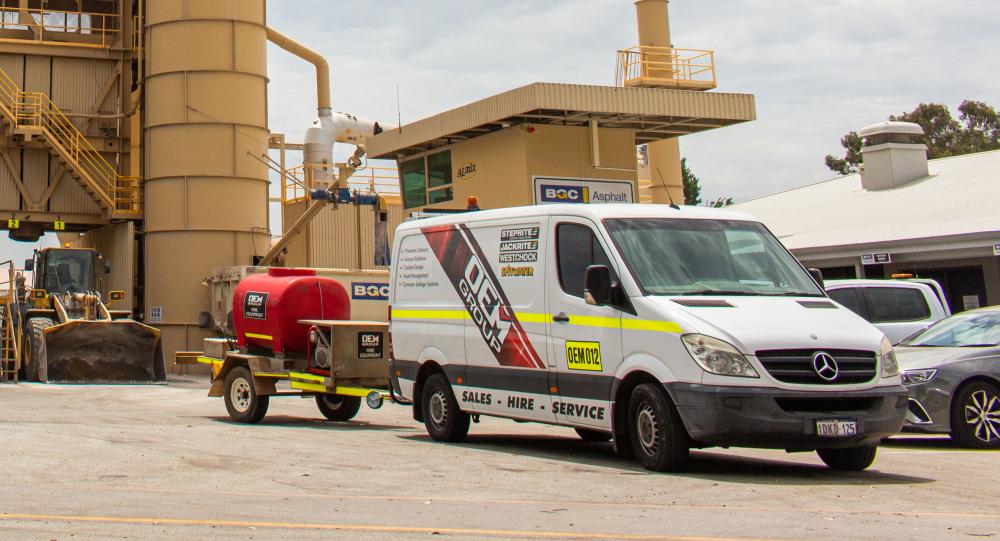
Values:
[(718, 357), (890, 367)]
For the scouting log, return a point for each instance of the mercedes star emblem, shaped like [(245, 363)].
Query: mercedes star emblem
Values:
[(825, 366)]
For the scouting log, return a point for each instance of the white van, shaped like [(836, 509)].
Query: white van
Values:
[(661, 328)]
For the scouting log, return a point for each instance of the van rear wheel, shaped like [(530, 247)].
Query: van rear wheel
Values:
[(659, 440), (442, 416)]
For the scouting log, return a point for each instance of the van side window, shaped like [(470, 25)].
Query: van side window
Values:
[(848, 296), (897, 304), (577, 248)]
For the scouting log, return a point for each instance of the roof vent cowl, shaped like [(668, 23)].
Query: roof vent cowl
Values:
[(892, 154)]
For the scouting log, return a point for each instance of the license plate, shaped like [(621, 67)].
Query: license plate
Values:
[(836, 429)]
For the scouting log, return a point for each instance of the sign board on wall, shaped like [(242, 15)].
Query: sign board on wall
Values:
[(996, 249), (579, 190), (876, 259)]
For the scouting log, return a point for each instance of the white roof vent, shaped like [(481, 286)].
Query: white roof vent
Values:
[(893, 154)]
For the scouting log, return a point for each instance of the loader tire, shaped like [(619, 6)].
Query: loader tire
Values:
[(37, 368), (242, 401)]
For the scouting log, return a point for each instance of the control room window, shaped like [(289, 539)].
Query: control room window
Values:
[(413, 176), (426, 180), (577, 249)]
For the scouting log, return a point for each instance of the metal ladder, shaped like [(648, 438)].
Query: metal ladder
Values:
[(10, 334)]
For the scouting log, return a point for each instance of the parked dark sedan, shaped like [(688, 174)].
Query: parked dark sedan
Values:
[(952, 370)]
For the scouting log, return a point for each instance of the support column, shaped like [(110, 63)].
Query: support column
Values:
[(665, 183)]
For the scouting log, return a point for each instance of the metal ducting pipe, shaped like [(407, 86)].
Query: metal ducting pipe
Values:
[(311, 56)]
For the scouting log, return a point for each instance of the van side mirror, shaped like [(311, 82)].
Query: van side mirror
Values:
[(818, 276), (597, 285), (29, 265)]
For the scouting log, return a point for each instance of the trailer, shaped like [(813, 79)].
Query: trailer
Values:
[(292, 335)]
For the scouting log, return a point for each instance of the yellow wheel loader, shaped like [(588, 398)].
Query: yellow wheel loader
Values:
[(69, 334)]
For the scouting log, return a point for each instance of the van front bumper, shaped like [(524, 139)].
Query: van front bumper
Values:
[(772, 418)]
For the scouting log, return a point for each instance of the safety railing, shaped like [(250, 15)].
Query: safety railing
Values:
[(10, 333), (48, 25), (686, 69), (298, 181), (34, 112)]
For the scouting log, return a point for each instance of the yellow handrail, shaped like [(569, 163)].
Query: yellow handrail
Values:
[(104, 27), (35, 111), (645, 65), (10, 344), (297, 181)]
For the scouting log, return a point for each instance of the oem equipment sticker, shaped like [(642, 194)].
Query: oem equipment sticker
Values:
[(583, 356), (255, 305)]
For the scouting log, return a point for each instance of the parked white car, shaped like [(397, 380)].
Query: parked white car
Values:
[(898, 308)]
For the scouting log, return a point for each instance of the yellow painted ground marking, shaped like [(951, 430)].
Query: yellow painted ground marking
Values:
[(370, 528)]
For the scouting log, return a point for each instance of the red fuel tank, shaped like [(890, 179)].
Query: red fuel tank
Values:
[(267, 308)]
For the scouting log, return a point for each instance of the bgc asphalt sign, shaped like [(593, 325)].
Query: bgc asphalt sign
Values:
[(581, 191)]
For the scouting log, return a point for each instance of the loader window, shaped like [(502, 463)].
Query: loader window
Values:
[(68, 271)]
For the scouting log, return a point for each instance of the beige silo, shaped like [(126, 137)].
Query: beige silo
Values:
[(205, 131), (665, 181)]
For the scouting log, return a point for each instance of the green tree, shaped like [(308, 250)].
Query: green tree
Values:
[(976, 130), (721, 202), (692, 186)]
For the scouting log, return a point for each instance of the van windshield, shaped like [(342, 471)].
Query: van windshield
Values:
[(708, 257)]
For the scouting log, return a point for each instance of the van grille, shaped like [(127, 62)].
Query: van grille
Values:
[(796, 365)]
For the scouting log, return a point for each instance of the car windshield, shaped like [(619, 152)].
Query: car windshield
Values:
[(969, 329), (708, 257)]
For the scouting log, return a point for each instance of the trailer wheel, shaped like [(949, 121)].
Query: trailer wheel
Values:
[(592, 435), (442, 416), (659, 440), (242, 401), (338, 408), (36, 369)]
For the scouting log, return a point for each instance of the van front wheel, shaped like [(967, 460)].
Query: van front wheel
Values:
[(659, 440), (442, 416)]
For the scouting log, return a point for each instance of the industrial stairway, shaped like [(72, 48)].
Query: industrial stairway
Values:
[(34, 116), (10, 343)]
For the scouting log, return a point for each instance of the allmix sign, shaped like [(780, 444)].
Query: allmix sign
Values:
[(585, 191)]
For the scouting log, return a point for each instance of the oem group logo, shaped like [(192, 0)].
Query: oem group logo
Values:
[(565, 194)]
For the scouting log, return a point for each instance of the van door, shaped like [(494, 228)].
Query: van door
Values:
[(585, 341), (498, 273)]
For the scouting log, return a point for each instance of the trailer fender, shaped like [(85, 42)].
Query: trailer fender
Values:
[(264, 386)]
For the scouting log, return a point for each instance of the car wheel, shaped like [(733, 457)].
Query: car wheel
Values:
[(442, 416), (849, 459), (659, 440), (592, 435), (975, 416)]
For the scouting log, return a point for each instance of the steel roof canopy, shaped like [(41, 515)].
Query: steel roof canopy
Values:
[(654, 114)]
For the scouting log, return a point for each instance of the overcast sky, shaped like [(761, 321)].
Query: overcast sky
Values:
[(817, 69)]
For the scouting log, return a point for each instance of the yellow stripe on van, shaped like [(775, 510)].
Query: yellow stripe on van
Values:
[(650, 325), (529, 317), (430, 314), (259, 336)]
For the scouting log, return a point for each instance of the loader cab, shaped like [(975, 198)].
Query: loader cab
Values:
[(68, 270)]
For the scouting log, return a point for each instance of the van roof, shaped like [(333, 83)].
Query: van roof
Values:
[(594, 212)]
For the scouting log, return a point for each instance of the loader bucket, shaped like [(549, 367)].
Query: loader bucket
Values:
[(120, 351)]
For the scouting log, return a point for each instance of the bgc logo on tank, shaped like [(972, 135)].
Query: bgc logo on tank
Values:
[(564, 194), (365, 291)]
